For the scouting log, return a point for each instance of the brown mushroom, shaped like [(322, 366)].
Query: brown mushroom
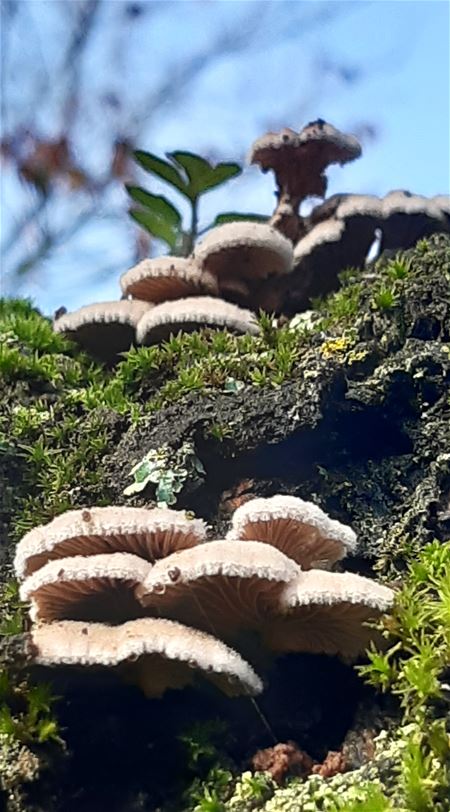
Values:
[(167, 278), (299, 161), (235, 290), (327, 249), (150, 534), (325, 613), (222, 586), (152, 653), (245, 250), (103, 330), (194, 313), (301, 530), (96, 587), (407, 218)]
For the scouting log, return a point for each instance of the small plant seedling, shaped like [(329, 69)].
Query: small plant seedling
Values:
[(191, 176)]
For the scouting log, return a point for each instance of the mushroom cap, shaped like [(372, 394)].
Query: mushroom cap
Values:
[(360, 206), (407, 217), (221, 586), (301, 530), (326, 233), (443, 202), (299, 159), (192, 314), (334, 146), (153, 653), (104, 329), (244, 249), (322, 254), (96, 587), (150, 534), (324, 612), (167, 278)]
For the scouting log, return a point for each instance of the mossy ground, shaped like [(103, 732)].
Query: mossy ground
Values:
[(351, 409)]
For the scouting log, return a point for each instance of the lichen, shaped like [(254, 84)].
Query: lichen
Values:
[(168, 470)]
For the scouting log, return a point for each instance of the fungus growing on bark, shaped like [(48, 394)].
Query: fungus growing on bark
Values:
[(244, 250), (193, 314), (221, 586), (301, 530), (96, 587), (299, 161), (167, 278), (150, 534), (152, 653), (104, 330), (406, 218), (235, 290), (443, 203), (325, 613), (318, 258)]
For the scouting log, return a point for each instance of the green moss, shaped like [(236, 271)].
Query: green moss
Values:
[(414, 668)]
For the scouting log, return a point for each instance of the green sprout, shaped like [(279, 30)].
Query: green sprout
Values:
[(191, 176)]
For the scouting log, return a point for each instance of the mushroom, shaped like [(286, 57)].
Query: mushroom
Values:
[(245, 250), (167, 278), (301, 530), (235, 290), (104, 330), (325, 613), (192, 314), (96, 587), (150, 534), (407, 218), (222, 586), (299, 161), (443, 203), (152, 653)]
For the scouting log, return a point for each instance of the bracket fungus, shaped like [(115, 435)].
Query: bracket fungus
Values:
[(301, 530), (192, 314), (254, 265), (252, 581), (244, 250), (152, 653), (150, 534), (299, 161), (96, 587), (340, 233), (105, 329), (325, 613), (406, 218), (167, 278), (222, 586)]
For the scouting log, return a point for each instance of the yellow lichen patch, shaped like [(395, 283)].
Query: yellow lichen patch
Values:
[(336, 346)]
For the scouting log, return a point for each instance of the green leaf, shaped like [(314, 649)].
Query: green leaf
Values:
[(202, 175), (162, 169), (235, 217), (157, 204), (159, 228)]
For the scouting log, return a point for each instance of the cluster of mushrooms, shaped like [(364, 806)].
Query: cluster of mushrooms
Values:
[(239, 268), (144, 593)]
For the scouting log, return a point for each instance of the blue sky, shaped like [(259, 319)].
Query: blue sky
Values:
[(381, 62)]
